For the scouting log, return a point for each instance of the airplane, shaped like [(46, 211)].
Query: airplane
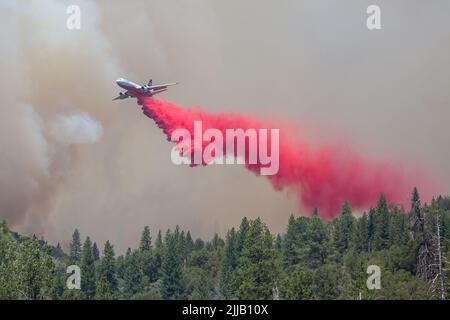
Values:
[(134, 90)]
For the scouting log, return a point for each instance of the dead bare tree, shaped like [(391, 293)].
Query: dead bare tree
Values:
[(424, 250), (438, 283)]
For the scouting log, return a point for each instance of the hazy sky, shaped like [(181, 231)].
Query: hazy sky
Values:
[(72, 158)]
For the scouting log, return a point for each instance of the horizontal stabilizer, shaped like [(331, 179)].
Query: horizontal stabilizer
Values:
[(158, 91), (162, 86)]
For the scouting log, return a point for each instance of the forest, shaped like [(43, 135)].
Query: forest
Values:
[(311, 259)]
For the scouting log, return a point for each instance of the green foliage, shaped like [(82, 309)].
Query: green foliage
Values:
[(326, 282), (295, 249), (381, 225), (133, 277), (398, 228), (402, 285), (361, 234), (313, 259), (146, 240), (171, 268), (103, 291), (189, 243), (34, 271), (256, 272), (26, 268), (297, 285), (199, 284), (59, 281), (150, 292), (229, 264), (88, 270), (95, 252), (73, 295), (75, 246), (8, 268), (107, 267), (318, 242), (344, 228)]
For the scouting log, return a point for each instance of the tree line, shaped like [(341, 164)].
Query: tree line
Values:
[(312, 259)]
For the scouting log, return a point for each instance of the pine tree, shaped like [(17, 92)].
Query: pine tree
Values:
[(242, 234), (371, 229), (95, 252), (171, 269), (229, 264), (159, 242), (75, 246), (58, 282), (256, 273), (146, 240), (88, 270), (398, 229), (344, 228), (278, 245), (182, 244), (147, 263), (189, 243), (120, 267), (132, 274), (381, 234), (289, 249), (318, 241), (107, 267), (150, 264), (176, 234), (361, 236), (102, 291), (217, 242), (158, 252)]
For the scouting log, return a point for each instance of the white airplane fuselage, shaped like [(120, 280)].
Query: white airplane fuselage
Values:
[(127, 85), (135, 90)]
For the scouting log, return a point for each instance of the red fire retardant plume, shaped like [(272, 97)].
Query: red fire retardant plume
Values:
[(322, 177)]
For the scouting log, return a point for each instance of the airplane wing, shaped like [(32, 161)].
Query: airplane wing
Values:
[(121, 96), (162, 86)]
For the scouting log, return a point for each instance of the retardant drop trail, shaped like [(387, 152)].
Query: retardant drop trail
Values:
[(322, 177)]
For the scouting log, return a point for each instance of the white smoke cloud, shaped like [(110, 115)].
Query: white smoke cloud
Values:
[(77, 128), (39, 148)]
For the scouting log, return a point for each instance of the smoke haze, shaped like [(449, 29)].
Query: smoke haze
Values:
[(77, 128), (383, 93)]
